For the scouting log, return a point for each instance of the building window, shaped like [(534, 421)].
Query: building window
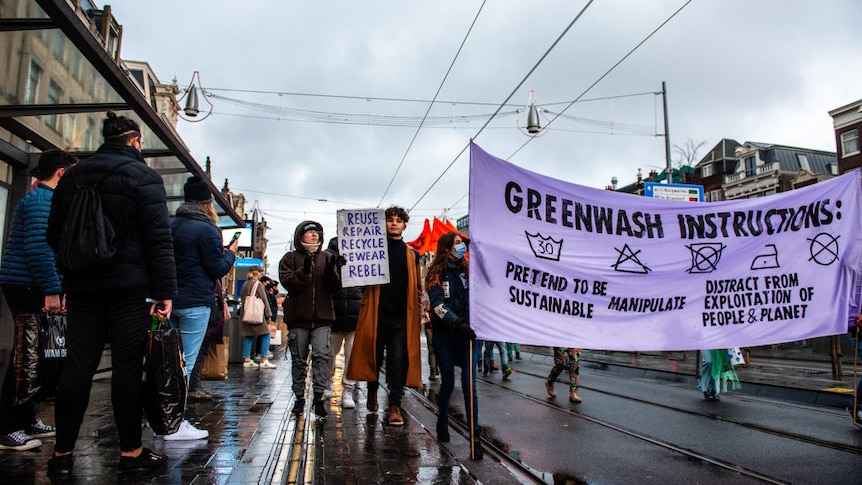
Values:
[(54, 94), (33, 81), (803, 161), (750, 166), (714, 195), (849, 143), (706, 170)]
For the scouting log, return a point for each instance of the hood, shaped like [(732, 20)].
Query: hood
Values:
[(333, 246), (301, 228)]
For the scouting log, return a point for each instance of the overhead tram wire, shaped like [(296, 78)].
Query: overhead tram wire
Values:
[(316, 199), (585, 91), (591, 86), (431, 104), (210, 90), (527, 76)]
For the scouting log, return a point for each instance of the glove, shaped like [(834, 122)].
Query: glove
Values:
[(463, 329), (340, 261), (306, 266)]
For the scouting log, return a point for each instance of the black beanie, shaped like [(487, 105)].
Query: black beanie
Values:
[(196, 190)]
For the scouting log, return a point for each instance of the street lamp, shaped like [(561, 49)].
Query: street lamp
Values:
[(192, 109), (534, 114)]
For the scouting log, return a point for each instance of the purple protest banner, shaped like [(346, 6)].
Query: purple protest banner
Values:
[(558, 264)]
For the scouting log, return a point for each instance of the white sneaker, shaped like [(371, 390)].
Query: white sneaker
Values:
[(347, 401), (187, 432), (265, 364), (250, 364), (327, 394)]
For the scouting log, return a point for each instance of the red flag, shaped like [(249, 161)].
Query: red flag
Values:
[(419, 242)]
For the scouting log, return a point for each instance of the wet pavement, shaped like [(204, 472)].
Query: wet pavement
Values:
[(254, 439)]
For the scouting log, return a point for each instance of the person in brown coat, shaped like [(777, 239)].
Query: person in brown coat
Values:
[(311, 277), (389, 323), (250, 331)]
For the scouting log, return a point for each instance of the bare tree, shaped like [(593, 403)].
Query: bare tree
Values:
[(687, 155)]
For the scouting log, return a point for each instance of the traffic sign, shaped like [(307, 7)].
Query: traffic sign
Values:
[(681, 192)]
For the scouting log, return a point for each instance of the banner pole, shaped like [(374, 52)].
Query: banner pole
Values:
[(471, 420), (856, 378)]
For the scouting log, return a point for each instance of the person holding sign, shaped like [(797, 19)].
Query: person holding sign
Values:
[(389, 323), (454, 340), (311, 276)]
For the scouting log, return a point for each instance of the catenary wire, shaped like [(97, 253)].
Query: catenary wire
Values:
[(636, 47), (591, 86), (527, 76), (431, 104)]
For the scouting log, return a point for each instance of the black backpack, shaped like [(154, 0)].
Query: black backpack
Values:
[(88, 241)]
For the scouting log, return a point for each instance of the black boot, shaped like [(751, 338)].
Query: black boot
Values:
[(476, 452), (319, 406), (442, 429), (298, 406)]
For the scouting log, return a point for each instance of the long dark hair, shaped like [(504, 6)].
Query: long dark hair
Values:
[(441, 259)]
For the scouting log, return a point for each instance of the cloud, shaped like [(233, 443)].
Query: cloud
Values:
[(763, 71)]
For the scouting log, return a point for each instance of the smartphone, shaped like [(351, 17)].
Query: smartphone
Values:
[(234, 239)]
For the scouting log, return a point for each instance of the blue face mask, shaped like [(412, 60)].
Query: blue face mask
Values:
[(460, 250)]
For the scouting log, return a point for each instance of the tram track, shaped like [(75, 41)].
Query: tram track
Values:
[(525, 474), (755, 427)]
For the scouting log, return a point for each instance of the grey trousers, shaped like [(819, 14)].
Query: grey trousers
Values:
[(298, 341)]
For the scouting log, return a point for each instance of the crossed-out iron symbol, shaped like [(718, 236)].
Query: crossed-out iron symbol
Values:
[(824, 243)]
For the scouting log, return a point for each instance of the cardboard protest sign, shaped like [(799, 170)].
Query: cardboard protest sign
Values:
[(362, 242)]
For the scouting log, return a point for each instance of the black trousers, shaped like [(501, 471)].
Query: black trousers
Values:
[(121, 318), (392, 340), (21, 299)]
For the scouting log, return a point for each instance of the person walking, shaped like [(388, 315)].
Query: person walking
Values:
[(346, 302), (31, 284), (489, 359), (201, 259), (446, 282), (311, 276), (565, 359), (114, 303), (716, 371), (251, 330), (389, 324)]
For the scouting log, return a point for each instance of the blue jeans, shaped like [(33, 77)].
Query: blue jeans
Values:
[(248, 341), (192, 323), (489, 354), (857, 344), (454, 351)]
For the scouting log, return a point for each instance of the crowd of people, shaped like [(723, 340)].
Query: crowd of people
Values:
[(171, 270)]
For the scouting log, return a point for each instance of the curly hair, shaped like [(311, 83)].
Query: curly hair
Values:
[(399, 212)]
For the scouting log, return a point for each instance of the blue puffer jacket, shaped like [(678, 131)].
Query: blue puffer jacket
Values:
[(201, 259), (28, 260)]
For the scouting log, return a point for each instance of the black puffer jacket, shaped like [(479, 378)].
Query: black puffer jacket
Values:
[(346, 301), (134, 200)]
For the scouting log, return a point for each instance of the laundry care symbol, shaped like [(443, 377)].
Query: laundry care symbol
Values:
[(544, 247)]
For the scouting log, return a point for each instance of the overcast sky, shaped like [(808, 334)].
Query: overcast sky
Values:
[(764, 70)]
